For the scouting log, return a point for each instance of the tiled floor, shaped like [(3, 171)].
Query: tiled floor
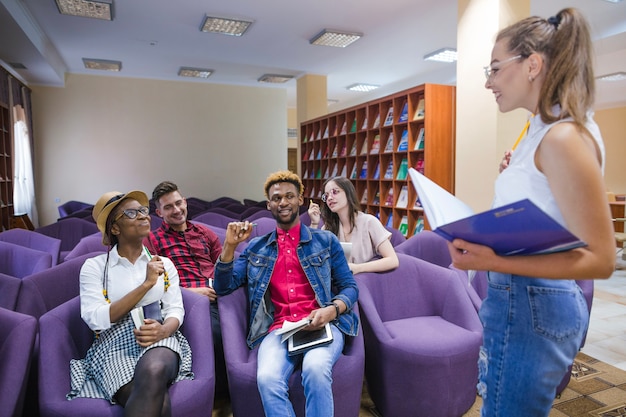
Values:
[(606, 337)]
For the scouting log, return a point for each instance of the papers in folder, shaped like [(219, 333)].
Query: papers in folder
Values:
[(519, 228)]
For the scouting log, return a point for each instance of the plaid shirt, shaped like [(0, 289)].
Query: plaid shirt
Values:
[(194, 251)]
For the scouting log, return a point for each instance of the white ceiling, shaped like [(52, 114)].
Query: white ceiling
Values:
[(154, 38)]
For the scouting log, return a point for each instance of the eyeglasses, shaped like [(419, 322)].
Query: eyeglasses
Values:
[(133, 213), (490, 71), (332, 192)]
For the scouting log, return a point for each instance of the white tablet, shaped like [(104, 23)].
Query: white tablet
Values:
[(304, 340)]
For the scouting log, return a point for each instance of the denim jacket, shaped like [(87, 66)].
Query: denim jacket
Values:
[(323, 262)]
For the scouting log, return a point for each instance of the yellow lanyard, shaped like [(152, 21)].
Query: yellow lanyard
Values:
[(521, 135)]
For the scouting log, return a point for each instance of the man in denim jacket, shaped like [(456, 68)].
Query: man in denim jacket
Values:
[(291, 274)]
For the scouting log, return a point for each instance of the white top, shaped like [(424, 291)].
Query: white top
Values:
[(123, 277), (366, 237), (521, 179)]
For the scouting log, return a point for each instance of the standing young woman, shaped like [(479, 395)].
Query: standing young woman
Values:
[(534, 315), (125, 365), (343, 217)]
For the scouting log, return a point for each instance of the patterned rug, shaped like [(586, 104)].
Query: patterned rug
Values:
[(595, 390)]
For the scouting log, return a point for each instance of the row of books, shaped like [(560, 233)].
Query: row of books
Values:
[(403, 117), (402, 147), (403, 227), (402, 202)]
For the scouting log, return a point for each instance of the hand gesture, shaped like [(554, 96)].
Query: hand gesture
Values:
[(314, 213), (505, 160), (154, 269), (237, 232)]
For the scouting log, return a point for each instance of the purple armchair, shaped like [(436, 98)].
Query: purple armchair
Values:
[(88, 244), (422, 337), (428, 246), (17, 337), (214, 219), (73, 206), (33, 240), (241, 366), (261, 212), (264, 225), (397, 238), (64, 335), (20, 261), (70, 231), (9, 291)]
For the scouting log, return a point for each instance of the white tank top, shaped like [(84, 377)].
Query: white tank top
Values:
[(522, 179)]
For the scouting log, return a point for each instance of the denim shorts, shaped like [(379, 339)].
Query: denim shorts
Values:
[(533, 329)]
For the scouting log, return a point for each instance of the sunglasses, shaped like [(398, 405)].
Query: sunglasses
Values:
[(332, 192)]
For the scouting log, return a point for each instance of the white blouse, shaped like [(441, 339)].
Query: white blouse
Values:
[(123, 277)]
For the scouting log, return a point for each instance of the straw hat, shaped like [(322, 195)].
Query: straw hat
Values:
[(108, 202)]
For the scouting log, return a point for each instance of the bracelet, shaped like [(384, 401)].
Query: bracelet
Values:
[(336, 310)]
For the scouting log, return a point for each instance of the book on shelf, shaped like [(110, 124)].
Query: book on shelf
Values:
[(364, 125), (376, 121), (353, 149), (389, 144), (335, 168), (319, 135), (402, 169), (325, 133), (419, 143), (419, 226), (389, 171), (389, 117), (319, 153), (418, 204), (319, 174), (376, 144), (376, 200), (353, 128), (389, 198), (419, 166), (344, 170), (403, 197), (306, 173), (344, 128), (312, 137), (325, 153), (364, 196), (335, 151), (389, 220), (419, 110), (518, 228), (403, 146), (364, 148), (363, 171), (335, 131), (376, 175), (344, 150), (326, 172), (404, 226), (404, 114), (311, 154), (299, 340), (353, 174)]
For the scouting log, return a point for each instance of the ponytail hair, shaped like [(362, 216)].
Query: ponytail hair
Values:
[(564, 41)]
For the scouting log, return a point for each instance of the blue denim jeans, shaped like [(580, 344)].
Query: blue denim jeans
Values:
[(533, 329), (275, 366)]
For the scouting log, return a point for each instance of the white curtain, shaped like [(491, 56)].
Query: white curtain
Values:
[(24, 182)]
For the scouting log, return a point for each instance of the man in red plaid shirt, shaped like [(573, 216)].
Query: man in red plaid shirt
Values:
[(194, 248)]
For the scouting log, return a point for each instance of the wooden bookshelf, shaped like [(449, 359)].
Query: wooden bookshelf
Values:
[(355, 132), (6, 169)]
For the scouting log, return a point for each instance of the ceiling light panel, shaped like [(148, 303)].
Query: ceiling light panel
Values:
[(274, 78), (442, 55), (616, 76), (362, 87), (102, 64), (85, 8), (233, 27), (335, 38), (194, 72)]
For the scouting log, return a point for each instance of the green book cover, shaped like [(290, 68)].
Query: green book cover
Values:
[(403, 169)]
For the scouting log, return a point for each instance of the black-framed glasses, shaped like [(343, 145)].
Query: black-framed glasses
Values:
[(133, 213), (491, 71), (332, 192)]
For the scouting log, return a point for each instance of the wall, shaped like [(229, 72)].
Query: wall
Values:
[(99, 134), (612, 124)]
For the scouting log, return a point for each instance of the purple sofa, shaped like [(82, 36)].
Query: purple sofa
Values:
[(422, 337), (64, 335), (33, 240), (241, 365), (20, 261), (89, 244), (17, 337), (69, 231), (9, 291)]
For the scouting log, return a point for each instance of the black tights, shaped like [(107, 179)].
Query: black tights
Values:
[(147, 395)]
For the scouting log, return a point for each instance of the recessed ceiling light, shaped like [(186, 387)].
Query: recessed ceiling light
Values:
[(85, 8), (442, 55), (274, 78), (362, 87), (194, 72), (233, 27), (616, 76), (614, 1), (335, 38), (102, 64)]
